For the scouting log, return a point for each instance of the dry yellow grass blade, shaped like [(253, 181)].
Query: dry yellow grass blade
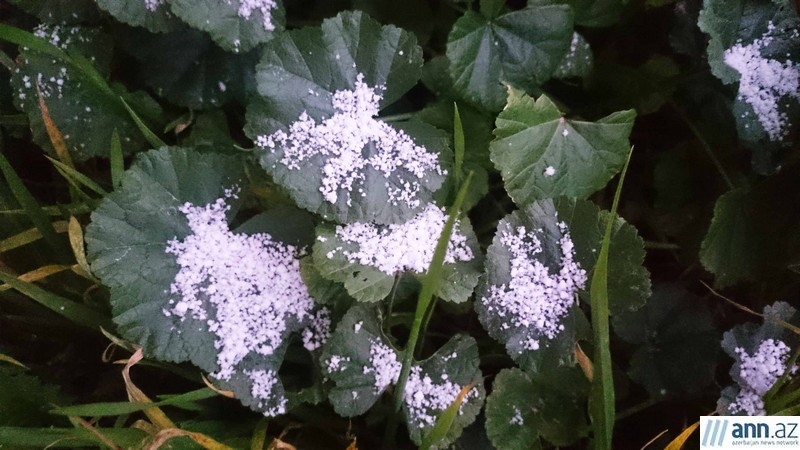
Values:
[(278, 444), (11, 360), (53, 132), (583, 360), (75, 233), (100, 436), (155, 414), (219, 391), (37, 275), (678, 442), (201, 439), (28, 236)]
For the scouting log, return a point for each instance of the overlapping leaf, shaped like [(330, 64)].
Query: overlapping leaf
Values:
[(60, 11), (348, 361), (591, 13), (154, 15), (629, 282), (540, 154), (675, 335), (527, 406), (127, 247), (236, 25), (456, 363), (187, 69), (368, 283), (299, 73), (522, 48), (578, 61), (85, 114), (755, 43)]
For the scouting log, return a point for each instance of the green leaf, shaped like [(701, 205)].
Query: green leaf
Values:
[(351, 359), (746, 35), (366, 278), (628, 282), (477, 128), (740, 243), (127, 246), (236, 25), (83, 107), (542, 155), (521, 48), (60, 11), (749, 337), (188, 69), (452, 367), (578, 61), (674, 334), (127, 240), (504, 289), (24, 399), (591, 13), (154, 15), (299, 73), (525, 406)]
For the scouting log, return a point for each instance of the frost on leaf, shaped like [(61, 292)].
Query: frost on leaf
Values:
[(367, 257), (766, 84), (425, 397), (247, 288), (403, 247), (534, 301), (761, 356), (353, 145), (758, 372)]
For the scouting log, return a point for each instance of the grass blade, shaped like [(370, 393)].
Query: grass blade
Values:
[(117, 161), (105, 409), (56, 138), (76, 312), (458, 144), (73, 175), (429, 285), (38, 274), (602, 399), (445, 420), (151, 137), (28, 236), (680, 441), (31, 207), (20, 437)]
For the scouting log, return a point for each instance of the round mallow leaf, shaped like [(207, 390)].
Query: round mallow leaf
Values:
[(435, 383), (316, 124), (154, 15), (360, 361), (540, 154), (367, 258), (525, 407), (236, 25), (520, 48), (538, 266), (187, 287)]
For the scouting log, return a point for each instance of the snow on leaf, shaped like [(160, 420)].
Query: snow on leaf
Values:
[(522, 48), (366, 257), (321, 91), (85, 115), (236, 25), (760, 353), (535, 269), (578, 61), (360, 362), (542, 155), (434, 384), (532, 284), (338, 144), (186, 287)]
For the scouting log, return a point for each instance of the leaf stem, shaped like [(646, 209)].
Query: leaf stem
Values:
[(397, 117)]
